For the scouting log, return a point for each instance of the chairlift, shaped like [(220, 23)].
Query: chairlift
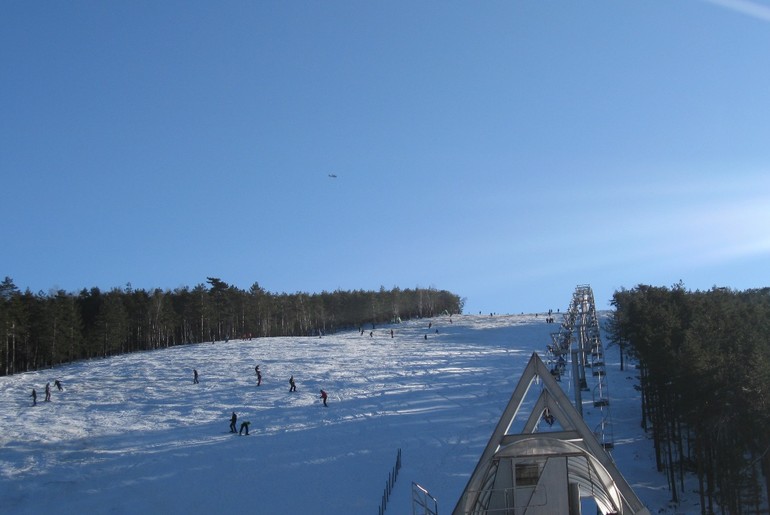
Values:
[(549, 419)]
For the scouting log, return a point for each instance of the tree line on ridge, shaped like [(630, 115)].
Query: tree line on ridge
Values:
[(45, 329)]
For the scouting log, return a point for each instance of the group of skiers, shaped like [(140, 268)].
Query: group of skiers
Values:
[(393, 334), (244, 428), (56, 383), (244, 425), (258, 372)]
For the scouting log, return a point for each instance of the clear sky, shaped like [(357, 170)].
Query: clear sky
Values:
[(504, 150)]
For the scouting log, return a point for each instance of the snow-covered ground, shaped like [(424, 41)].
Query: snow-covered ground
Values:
[(133, 434)]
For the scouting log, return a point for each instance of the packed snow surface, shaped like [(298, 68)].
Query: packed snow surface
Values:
[(132, 434)]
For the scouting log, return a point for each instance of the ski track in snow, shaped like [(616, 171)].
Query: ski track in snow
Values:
[(132, 433)]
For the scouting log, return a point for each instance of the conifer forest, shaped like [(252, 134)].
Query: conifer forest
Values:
[(704, 370)]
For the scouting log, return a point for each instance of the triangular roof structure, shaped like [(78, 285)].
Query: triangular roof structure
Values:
[(545, 472)]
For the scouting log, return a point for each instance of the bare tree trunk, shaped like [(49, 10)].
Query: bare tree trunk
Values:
[(13, 348), (7, 349), (766, 472), (53, 342)]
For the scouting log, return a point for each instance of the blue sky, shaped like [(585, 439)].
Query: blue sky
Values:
[(506, 151)]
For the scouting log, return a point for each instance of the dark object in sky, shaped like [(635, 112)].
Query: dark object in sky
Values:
[(333, 176)]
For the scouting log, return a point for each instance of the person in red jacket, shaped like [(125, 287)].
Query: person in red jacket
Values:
[(323, 397)]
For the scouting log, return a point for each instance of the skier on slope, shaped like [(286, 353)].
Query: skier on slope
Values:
[(233, 420), (323, 397), (244, 425), (292, 385), (48, 392), (34, 397), (195, 376), (58, 385)]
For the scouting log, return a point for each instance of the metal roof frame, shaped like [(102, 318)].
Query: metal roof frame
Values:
[(589, 464)]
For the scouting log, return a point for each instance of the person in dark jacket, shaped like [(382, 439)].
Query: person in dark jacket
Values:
[(233, 420), (292, 385), (34, 397), (323, 398), (58, 385), (48, 392), (244, 425), (195, 376)]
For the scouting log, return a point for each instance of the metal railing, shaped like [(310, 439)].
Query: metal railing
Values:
[(422, 502), (392, 476)]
